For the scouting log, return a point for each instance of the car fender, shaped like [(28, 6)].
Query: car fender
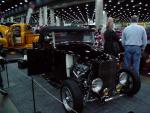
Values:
[(4, 42)]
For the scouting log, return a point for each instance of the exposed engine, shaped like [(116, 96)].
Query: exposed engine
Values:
[(80, 69)]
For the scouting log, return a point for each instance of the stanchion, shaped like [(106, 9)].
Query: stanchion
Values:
[(33, 96), (7, 75), (3, 92)]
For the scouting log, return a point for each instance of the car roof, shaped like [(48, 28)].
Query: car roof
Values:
[(65, 29), (7, 24), (20, 24)]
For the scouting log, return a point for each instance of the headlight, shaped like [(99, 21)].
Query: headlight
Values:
[(97, 85), (123, 78)]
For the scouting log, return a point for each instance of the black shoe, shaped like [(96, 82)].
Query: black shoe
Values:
[(3, 92)]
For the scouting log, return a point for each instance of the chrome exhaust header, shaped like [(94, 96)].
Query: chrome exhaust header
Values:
[(113, 98)]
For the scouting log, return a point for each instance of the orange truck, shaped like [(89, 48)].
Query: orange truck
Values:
[(17, 36)]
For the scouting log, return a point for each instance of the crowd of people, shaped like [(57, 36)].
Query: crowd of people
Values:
[(133, 40)]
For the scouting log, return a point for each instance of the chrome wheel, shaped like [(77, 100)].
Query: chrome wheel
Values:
[(67, 99), (126, 80), (129, 81)]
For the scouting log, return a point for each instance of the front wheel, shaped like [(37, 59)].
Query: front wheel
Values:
[(130, 82), (71, 97)]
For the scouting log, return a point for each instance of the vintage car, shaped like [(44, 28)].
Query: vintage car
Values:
[(84, 73), (17, 36), (145, 62)]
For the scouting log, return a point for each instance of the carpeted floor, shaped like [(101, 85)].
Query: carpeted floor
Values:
[(20, 93)]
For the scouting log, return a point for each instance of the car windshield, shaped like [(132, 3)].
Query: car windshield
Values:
[(74, 36)]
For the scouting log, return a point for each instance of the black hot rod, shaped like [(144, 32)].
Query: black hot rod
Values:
[(85, 73)]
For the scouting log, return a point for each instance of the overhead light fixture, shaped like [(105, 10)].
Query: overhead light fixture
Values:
[(3, 1), (109, 1), (140, 3), (20, 3), (25, 1), (16, 5)]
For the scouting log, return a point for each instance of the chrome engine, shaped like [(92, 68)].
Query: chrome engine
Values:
[(80, 70)]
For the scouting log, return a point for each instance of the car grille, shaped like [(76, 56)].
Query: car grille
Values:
[(107, 72)]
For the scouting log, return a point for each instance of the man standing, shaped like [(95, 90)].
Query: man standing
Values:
[(134, 40)]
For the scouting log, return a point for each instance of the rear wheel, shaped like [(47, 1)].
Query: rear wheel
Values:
[(130, 82), (71, 97)]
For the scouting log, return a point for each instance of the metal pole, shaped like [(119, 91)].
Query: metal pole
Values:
[(7, 76), (33, 95)]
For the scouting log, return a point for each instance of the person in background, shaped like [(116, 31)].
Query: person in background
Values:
[(111, 44), (134, 41)]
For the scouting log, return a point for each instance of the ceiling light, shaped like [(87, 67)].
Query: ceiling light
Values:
[(16, 5), (132, 0), (3, 1), (20, 3)]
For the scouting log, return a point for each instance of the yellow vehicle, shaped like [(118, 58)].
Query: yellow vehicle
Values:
[(17, 36)]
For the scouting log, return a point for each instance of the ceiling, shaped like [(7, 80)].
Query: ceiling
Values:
[(124, 9), (7, 5), (120, 9)]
